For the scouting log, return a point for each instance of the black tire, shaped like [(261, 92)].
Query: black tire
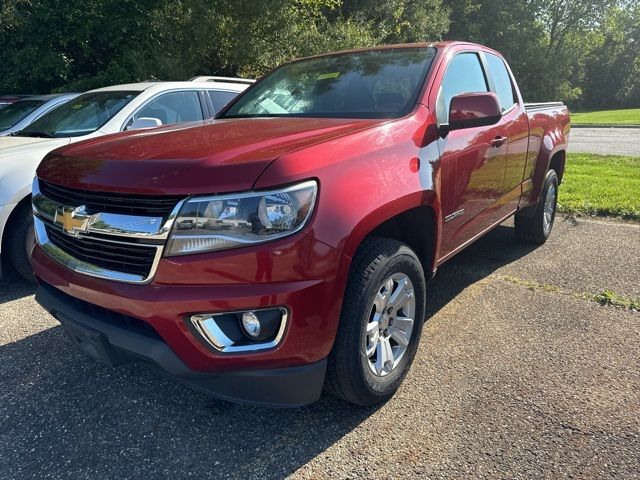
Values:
[(531, 228), (348, 374), (20, 240)]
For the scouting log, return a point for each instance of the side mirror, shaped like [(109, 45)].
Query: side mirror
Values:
[(473, 110), (144, 122)]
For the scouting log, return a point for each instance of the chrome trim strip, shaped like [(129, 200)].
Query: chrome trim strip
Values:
[(456, 214), (79, 266), (74, 220), (210, 332)]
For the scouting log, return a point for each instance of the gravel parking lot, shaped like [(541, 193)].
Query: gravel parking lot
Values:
[(519, 375)]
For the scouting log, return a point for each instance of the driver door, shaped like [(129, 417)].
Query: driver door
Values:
[(472, 160)]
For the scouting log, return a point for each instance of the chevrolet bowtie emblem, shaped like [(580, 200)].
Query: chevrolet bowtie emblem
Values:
[(73, 221)]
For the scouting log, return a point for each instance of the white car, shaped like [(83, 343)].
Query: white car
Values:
[(92, 114), (21, 113)]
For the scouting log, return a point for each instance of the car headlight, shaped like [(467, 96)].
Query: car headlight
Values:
[(221, 222)]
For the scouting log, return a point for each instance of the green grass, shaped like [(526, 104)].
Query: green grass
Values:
[(607, 297), (604, 298), (627, 116), (607, 185)]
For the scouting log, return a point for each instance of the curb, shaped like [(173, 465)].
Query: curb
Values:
[(601, 125)]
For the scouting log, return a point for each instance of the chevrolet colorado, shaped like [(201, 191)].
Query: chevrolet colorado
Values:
[(287, 244)]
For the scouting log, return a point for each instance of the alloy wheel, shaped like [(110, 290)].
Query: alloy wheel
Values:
[(390, 324), (549, 209)]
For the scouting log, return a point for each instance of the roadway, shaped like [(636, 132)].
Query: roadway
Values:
[(605, 141)]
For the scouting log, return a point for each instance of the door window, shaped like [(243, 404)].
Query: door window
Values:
[(501, 80), (219, 99), (464, 75), (172, 107)]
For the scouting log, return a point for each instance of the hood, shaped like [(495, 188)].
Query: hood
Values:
[(11, 145), (208, 157), (19, 157)]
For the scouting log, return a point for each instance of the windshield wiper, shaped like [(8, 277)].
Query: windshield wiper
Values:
[(22, 133)]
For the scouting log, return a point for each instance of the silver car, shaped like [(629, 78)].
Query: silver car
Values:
[(19, 114)]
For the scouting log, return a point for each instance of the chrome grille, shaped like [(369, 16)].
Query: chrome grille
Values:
[(112, 236), (129, 258), (128, 204)]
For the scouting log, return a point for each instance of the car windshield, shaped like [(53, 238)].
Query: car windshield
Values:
[(14, 112), (81, 116), (371, 84)]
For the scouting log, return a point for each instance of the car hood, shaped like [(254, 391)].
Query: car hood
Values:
[(13, 145), (19, 157), (208, 157)]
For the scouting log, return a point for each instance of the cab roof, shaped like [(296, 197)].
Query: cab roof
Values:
[(439, 45)]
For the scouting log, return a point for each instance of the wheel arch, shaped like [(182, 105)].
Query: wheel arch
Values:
[(11, 218), (557, 163), (415, 226)]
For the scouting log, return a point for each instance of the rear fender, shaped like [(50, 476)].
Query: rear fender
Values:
[(553, 142)]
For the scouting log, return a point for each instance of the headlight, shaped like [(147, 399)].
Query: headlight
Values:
[(221, 222)]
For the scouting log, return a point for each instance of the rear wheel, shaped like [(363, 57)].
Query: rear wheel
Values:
[(536, 228), (380, 324), (20, 240)]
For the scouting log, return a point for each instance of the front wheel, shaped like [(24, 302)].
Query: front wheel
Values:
[(380, 325), (536, 228), (20, 241)]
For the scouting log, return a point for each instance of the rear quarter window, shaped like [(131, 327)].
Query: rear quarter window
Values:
[(220, 99), (501, 81)]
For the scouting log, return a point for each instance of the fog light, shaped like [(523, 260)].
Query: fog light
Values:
[(241, 331), (251, 324)]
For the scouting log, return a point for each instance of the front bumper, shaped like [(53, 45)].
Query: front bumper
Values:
[(115, 341), (300, 274)]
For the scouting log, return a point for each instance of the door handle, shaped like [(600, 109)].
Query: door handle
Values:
[(498, 141)]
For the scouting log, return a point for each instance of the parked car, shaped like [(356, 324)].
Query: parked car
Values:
[(21, 113), (93, 114), (288, 244), (9, 99)]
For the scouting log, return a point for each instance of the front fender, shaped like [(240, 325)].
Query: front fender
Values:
[(384, 213)]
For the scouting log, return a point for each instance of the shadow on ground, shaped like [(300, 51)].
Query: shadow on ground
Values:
[(13, 287), (66, 416), (497, 249)]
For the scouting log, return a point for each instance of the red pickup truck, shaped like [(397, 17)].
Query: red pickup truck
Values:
[(287, 244)]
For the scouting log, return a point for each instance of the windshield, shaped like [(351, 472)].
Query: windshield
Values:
[(81, 116), (14, 112), (371, 84)]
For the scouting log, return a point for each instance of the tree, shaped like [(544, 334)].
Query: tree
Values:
[(82, 44), (512, 28), (584, 52), (545, 41), (612, 67)]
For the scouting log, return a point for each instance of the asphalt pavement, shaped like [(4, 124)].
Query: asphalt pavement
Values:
[(605, 141), (520, 374)]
